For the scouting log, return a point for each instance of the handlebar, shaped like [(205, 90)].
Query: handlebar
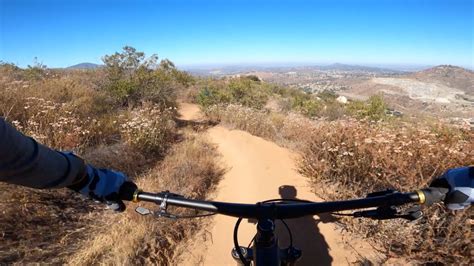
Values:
[(272, 210)]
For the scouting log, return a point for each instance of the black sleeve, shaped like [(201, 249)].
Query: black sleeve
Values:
[(25, 162)]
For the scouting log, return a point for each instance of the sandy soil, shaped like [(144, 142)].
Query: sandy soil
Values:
[(260, 170), (189, 111)]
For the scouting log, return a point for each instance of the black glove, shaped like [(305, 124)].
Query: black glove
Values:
[(105, 186), (459, 185)]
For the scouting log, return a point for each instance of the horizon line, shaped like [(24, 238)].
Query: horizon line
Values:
[(274, 64)]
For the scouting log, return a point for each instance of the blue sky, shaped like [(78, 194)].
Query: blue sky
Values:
[(383, 32)]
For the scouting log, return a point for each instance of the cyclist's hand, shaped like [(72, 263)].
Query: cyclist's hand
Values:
[(460, 185), (104, 185)]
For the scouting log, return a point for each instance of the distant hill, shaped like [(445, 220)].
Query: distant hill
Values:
[(85, 66), (448, 75), (238, 69), (357, 68)]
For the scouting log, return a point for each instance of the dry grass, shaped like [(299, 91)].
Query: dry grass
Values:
[(69, 111), (358, 158), (48, 225), (41, 226), (132, 239), (59, 112), (290, 130), (37, 225)]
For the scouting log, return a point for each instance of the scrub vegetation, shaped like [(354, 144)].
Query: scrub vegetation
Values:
[(121, 116), (124, 116), (350, 149)]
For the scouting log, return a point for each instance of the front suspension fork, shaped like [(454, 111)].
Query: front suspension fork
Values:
[(288, 256), (265, 250)]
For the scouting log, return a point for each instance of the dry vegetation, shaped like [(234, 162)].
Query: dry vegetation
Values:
[(132, 239), (290, 130), (364, 151), (122, 117), (357, 158)]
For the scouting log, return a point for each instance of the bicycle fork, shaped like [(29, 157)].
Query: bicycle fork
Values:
[(265, 250)]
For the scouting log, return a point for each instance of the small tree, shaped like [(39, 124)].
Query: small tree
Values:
[(132, 78), (37, 71)]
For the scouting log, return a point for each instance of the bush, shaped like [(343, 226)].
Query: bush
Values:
[(243, 91), (133, 79), (253, 78), (213, 94), (60, 113), (150, 130), (374, 109), (325, 104), (307, 105), (327, 96), (9, 71)]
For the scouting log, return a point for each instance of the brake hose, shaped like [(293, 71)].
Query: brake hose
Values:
[(236, 243)]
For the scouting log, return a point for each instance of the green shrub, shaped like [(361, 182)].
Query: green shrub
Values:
[(327, 96), (133, 79), (214, 94), (241, 91), (374, 108), (248, 93), (37, 71), (308, 106)]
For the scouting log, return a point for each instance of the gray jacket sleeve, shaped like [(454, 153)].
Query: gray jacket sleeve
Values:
[(25, 162)]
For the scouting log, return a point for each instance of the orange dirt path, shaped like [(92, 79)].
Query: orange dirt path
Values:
[(258, 170)]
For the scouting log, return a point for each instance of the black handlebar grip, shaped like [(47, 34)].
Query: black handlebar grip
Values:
[(127, 190), (434, 194)]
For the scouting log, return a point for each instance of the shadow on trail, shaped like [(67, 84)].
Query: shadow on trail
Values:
[(195, 125), (306, 234)]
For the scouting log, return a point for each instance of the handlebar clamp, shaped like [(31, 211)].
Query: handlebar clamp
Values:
[(164, 206)]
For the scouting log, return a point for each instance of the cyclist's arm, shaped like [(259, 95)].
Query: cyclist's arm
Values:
[(25, 162)]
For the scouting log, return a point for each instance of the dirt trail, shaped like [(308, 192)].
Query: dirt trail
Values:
[(260, 170)]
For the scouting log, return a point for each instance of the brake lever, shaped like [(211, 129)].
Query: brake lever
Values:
[(413, 213), (163, 211), (391, 212)]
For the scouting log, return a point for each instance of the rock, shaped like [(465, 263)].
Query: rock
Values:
[(393, 112), (342, 99)]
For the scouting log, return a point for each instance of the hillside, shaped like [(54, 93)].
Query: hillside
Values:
[(84, 66), (448, 75), (329, 150)]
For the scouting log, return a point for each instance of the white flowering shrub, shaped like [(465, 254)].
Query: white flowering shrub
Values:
[(49, 123), (149, 129)]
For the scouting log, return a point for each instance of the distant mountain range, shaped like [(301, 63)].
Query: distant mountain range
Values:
[(452, 76), (236, 69), (356, 68), (85, 66)]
